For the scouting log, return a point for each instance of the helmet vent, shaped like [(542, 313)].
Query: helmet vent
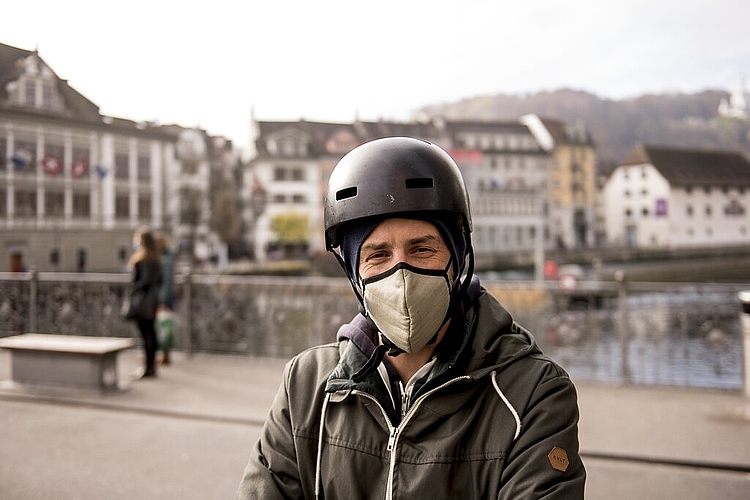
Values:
[(346, 193), (420, 183)]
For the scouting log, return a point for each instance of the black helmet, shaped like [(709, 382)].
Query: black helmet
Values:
[(391, 176)]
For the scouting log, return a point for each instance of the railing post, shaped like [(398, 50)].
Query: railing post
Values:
[(744, 297), (188, 336), (33, 300), (622, 329)]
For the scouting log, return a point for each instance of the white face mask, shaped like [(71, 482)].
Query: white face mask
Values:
[(408, 304)]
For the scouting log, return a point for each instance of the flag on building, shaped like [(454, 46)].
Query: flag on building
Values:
[(22, 158), (101, 171), (79, 168), (51, 164)]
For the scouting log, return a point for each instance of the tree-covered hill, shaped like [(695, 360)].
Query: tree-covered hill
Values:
[(686, 120)]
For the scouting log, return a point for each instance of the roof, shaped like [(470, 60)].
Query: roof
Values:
[(319, 134), (693, 166), (76, 105), (563, 133), (77, 108)]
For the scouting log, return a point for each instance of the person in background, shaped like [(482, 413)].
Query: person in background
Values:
[(167, 297), (433, 391), (146, 280)]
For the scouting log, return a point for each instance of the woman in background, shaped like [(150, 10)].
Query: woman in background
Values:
[(167, 297), (146, 280)]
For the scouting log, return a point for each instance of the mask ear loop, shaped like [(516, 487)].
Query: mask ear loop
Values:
[(352, 281)]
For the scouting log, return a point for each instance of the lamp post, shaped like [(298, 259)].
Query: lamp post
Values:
[(258, 204), (744, 297)]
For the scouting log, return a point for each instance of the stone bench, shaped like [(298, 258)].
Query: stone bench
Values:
[(65, 360)]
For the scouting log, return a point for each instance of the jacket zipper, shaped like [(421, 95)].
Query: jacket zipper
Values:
[(394, 431)]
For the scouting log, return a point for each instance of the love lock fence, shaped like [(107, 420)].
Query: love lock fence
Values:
[(632, 333)]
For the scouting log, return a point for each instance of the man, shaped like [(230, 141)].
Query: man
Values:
[(433, 391)]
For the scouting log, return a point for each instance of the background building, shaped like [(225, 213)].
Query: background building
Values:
[(571, 187), (505, 168), (672, 198), (75, 184)]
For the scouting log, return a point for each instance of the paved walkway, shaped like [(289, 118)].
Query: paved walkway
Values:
[(187, 435)]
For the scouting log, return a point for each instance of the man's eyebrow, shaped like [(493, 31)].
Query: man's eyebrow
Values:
[(375, 246), (429, 238)]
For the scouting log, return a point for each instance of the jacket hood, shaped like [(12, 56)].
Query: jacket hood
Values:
[(484, 339), (498, 340)]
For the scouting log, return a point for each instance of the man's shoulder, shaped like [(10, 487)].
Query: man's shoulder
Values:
[(316, 362)]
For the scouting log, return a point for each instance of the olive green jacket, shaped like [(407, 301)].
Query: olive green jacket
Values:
[(497, 419)]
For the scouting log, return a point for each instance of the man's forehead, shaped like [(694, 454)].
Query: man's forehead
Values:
[(403, 229)]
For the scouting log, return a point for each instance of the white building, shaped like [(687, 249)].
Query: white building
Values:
[(75, 184), (738, 104), (672, 198)]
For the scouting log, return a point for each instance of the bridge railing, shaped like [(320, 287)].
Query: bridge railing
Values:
[(633, 333)]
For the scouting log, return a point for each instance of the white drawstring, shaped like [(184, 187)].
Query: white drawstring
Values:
[(320, 443), (507, 403)]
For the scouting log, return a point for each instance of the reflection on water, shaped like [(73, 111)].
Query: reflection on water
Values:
[(685, 339)]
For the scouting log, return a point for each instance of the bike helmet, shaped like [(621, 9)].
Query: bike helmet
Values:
[(394, 175)]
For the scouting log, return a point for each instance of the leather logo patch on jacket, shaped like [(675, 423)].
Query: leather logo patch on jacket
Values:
[(558, 459)]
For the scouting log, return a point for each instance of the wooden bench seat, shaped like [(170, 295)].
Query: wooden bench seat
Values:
[(65, 360)]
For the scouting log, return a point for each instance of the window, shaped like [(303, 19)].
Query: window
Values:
[(279, 198), (121, 166), (189, 167), (144, 167), (688, 189), (144, 207), (122, 206), (708, 210), (283, 173), (689, 210), (628, 212), (56, 150), (54, 258), (47, 95), (3, 202), (4, 160), (81, 205), (707, 189), (25, 203), (31, 93), (54, 203), (644, 212), (81, 153), (298, 198)]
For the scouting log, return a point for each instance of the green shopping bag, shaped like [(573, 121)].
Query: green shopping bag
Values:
[(165, 324)]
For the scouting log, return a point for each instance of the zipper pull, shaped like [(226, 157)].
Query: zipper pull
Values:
[(404, 403), (392, 439)]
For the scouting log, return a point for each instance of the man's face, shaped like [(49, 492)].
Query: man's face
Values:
[(415, 242)]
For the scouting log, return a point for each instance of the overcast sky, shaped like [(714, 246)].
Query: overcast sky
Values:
[(210, 63)]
